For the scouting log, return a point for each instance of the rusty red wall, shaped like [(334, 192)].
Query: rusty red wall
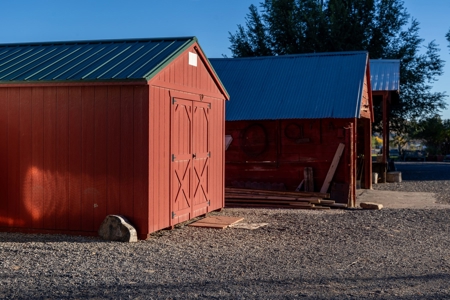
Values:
[(71, 155), (197, 83), (290, 146)]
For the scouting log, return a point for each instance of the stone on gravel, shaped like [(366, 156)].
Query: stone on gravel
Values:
[(117, 228), (394, 177), (371, 205)]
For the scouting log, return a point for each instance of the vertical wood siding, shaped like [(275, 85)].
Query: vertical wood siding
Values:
[(194, 82), (71, 155), (160, 156), (217, 144), (181, 76), (365, 102), (297, 144)]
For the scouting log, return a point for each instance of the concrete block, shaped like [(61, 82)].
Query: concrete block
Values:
[(371, 205), (394, 177), (117, 228)]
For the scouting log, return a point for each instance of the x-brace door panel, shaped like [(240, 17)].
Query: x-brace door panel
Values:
[(201, 158), (181, 166)]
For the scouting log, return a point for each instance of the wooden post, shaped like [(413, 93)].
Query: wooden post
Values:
[(385, 130), (367, 154), (333, 167), (309, 179)]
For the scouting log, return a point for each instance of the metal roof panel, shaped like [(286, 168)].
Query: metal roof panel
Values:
[(385, 74), (88, 60), (304, 86)]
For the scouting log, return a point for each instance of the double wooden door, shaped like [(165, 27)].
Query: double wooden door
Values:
[(190, 165)]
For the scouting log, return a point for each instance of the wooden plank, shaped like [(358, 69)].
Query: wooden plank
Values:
[(256, 205), (309, 179), (278, 193), (209, 225), (313, 207), (220, 220), (299, 188), (327, 202), (337, 205), (276, 202), (333, 167), (246, 196)]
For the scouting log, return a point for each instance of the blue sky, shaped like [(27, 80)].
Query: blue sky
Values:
[(209, 20)]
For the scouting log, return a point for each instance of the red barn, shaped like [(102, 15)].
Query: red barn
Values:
[(91, 128), (292, 112)]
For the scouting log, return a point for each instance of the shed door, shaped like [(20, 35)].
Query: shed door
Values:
[(190, 159), (201, 158)]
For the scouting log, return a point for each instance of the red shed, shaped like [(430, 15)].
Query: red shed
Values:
[(292, 112), (91, 128)]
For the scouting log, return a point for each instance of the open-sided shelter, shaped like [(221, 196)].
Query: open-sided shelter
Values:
[(92, 128), (292, 112), (385, 78)]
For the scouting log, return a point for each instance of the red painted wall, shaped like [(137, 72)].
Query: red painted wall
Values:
[(193, 83), (71, 155), (290, 146)]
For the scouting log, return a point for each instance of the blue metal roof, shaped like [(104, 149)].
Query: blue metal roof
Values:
[(304, 86), (385, 74), (88, 60)]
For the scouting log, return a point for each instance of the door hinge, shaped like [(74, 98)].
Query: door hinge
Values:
[(209, 105), (173, 100), (209, 154), (173, 215), (209, 202), (173, 157)]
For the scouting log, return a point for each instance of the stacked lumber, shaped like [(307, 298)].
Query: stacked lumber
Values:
[(238, 197)]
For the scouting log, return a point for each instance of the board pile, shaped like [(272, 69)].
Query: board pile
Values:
[(237, 197)]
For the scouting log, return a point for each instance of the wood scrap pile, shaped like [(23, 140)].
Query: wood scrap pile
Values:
[(237, 197)]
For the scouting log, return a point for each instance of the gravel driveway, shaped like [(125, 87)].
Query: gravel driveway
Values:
[(337, 254), (432, 177)]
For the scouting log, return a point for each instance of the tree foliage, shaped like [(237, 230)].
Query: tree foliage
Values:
[(448, 38), (435, 132), (382, 27)]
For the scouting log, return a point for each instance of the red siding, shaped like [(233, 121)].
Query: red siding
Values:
[(182, 80), (181, 76), (72, 155), (366, 108), (217, 162), (292, 145), (159, 158), (160, 154)]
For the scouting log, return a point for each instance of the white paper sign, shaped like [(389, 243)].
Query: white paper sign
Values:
[(192, 59)]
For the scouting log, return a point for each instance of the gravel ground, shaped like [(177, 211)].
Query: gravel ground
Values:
[(432, 177), (337, 254)]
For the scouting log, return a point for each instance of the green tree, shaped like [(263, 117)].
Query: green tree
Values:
[(435, 132), (382, 27), (448, 37)]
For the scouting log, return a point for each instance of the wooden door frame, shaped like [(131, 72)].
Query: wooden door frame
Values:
[(188, 97)]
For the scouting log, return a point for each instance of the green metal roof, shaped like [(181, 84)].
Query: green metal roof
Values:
[(104, 60)]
